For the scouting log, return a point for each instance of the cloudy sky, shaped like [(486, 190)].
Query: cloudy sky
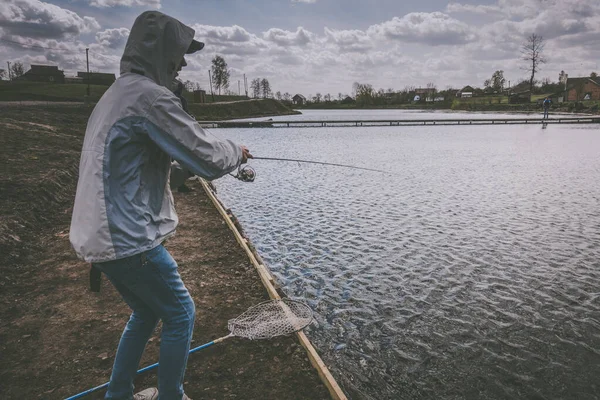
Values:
[(310, 46)]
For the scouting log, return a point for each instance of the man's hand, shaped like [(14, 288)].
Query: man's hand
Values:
[(245, 155)]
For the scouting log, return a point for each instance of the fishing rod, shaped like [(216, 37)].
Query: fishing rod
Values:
[(248, 174)]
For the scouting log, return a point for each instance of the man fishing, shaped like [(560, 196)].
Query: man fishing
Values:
[(547, 102), (124, 209)]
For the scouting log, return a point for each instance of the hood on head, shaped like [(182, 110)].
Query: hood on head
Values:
[(155, 47)]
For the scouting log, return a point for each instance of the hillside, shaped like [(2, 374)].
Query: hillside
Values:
[(224, 108)]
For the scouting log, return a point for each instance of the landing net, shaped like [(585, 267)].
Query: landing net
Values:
[(271, 318)]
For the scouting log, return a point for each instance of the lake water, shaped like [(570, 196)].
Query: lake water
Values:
[(471, 270)]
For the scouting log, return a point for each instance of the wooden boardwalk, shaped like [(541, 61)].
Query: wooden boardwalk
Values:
[(592, 119)]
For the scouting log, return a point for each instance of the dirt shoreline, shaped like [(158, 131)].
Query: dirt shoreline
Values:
[(57, 338)]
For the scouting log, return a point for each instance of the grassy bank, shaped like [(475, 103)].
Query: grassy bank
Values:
[(239, 109), (37, 91), (225, 107), (498, 104)]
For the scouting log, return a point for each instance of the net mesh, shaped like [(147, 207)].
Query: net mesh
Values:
[(271, 318)]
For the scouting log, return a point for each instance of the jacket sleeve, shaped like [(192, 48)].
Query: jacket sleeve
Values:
[(180, 136)]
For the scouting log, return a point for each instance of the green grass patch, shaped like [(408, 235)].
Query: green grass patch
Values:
[(40, 91), (482, 100)]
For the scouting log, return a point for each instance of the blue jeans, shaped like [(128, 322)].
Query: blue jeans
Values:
[(545, 113), (150, 284)]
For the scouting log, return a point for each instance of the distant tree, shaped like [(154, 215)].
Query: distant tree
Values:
[(340, 96), (317, 98), (255, 87), (188, 85), (220, 73), (487, 83), (266, 88), (287, 96), (364, 93), (593, 75), (531, 51), (17, 69), (278, 95), (498, 80), (2, 74)]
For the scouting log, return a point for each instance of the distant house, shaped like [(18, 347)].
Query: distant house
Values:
[(44, 73), (347, 100), (583, 89), (467, 91), (97, 78), (298, 100)]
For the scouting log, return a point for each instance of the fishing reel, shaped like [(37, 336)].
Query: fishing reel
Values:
[(245, 174)]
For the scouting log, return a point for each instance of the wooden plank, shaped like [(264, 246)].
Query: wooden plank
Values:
[(268, 282)]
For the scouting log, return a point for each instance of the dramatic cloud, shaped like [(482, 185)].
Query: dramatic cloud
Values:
[(36, 19), (433, 29), (286, 38), (349, 40), (113, 38), (222, 34), (126, 3), (472, 8)]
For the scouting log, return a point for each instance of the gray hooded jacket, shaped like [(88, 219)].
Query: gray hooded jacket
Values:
[(123, 205)]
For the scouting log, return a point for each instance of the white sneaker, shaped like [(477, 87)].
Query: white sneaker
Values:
[(147, 394)]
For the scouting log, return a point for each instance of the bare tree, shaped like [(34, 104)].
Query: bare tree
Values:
[(531, 51), (287, 96), (2, 74), (17, 69), (593, 75), (278, 95), (220, 73)]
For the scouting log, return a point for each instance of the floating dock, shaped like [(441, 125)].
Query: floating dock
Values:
[(592, 119)]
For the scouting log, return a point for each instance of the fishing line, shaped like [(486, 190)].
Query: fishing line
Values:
[(248, 174)]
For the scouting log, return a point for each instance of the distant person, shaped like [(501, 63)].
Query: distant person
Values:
[(124, 209), (547, 103)]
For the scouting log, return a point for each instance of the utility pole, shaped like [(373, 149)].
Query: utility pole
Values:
[(87, 60), (245, 85), (211, 91), (239, 91), (9, 74)]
